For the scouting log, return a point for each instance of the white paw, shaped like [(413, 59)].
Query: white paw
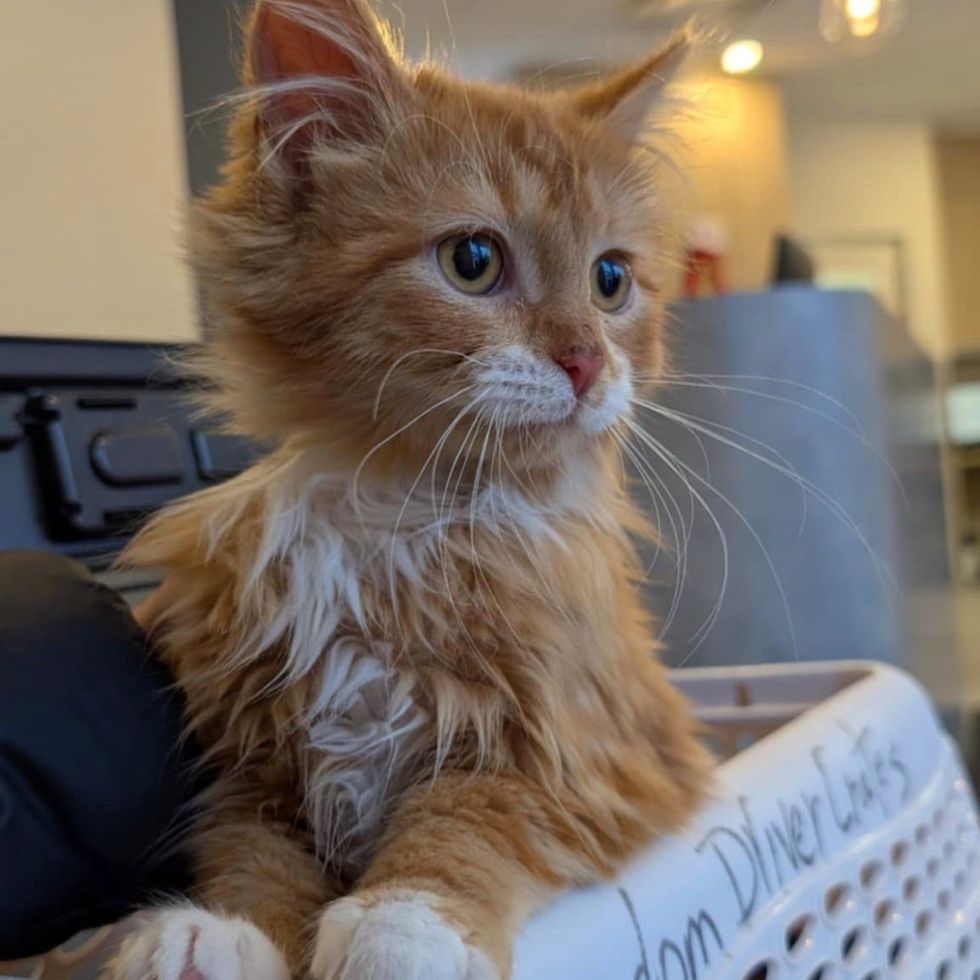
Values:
[(191, 944), (402, 937)]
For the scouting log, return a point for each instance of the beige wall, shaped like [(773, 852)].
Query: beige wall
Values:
[(876, 179), (733, 142), (959, 179), (91, 171)]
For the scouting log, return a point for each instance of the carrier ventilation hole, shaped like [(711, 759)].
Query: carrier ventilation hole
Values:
[(898, 951), (837, 900), (944, 971), (910, 889), (883, 914), (921, 834), (964, 948), (852, 946), (762, 971), (871, 875), (932, 867), (797, 934), (923, 923), (945, 900), (825, 971), (900, 853)]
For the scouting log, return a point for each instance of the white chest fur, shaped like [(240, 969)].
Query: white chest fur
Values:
[(319, 552), (366, 730)]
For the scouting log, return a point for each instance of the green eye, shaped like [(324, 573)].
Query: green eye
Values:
[(472, 263), (612, 282)]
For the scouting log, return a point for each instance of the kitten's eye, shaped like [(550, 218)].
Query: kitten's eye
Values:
[(612, 282), (472, 263)]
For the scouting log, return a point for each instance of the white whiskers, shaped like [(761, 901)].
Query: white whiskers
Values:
[(701, 491)]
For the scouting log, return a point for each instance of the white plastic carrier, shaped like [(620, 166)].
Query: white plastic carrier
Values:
[(841, 843)]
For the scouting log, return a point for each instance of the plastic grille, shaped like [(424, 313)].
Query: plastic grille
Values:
[(907, 905)]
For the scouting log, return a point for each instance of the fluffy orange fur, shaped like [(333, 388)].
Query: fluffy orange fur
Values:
[(410, 638)]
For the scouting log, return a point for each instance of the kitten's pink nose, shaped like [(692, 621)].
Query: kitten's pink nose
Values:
[(582, 367)]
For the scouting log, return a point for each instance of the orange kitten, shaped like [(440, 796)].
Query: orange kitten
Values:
[(410, 638)]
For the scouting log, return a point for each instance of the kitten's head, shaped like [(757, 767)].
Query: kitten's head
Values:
[(403, 260)]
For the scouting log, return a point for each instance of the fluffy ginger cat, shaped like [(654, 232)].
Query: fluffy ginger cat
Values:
[(410, 637)]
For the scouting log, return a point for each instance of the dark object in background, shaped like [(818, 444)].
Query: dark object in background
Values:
[(95, 780), (94, 436), (94, 775), (792, 263)]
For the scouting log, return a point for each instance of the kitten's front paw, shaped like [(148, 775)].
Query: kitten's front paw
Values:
[(399, 936), (191, 944)]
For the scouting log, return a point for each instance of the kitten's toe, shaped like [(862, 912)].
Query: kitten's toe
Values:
[(398, 937), (192, 944)]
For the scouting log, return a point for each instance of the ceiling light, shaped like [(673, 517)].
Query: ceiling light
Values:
[(860, 19), (862, 9), (741, 57), (863, 16)]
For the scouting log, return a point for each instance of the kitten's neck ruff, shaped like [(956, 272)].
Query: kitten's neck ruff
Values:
[(320, 549), (498, 500)]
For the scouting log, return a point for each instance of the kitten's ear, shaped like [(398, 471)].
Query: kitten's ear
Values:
[(626, 99), (320, 69)]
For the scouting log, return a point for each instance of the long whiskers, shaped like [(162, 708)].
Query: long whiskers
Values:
[(414, 486), (763, 447), (675, 467), (710, 430), (432, 351), (701, 489), (679, 528), (377, 447), (852, 428), (712, 381), (683, 470)]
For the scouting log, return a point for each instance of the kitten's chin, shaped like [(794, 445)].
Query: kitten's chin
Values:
[(594, 420), (584, 422)]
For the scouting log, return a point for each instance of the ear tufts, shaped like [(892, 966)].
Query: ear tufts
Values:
[(319, 70), (625, 99)]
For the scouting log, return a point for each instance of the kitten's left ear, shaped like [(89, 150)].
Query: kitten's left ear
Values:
[(625, 99)]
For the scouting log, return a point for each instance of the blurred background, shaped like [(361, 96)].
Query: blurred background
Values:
[(826, 409)]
